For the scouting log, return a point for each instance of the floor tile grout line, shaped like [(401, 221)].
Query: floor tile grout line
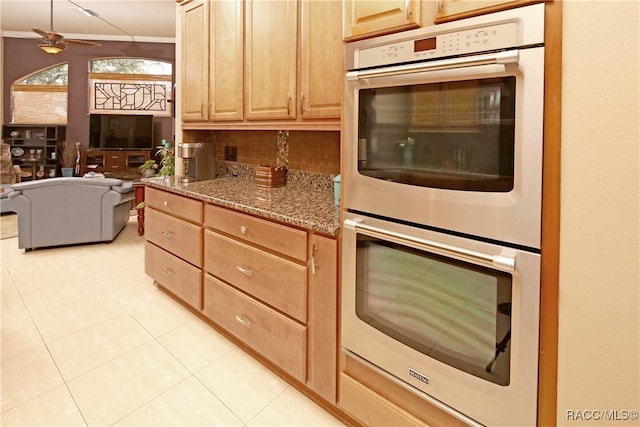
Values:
[(215, 395), (270, 402)]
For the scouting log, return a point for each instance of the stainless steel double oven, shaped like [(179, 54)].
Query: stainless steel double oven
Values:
[(442, 179)]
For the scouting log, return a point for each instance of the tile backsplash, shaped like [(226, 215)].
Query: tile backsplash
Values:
[(311, 151)]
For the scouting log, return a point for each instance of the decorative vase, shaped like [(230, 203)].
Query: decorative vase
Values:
[(67, 171)]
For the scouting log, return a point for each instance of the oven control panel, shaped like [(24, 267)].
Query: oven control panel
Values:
[(499, 36)]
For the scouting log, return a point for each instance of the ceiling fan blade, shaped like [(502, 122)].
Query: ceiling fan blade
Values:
[(83, 42), (48, 35)]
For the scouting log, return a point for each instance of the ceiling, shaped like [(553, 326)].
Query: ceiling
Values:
[(144, 20)]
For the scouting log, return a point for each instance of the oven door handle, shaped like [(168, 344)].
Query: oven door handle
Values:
[(506, 57), (502, 262)]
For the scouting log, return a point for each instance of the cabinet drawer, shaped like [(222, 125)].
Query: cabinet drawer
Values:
[(274, 280), (370, 408), (273, 335), (184, 207), (179, 277), (175, 235), (286, 240), (114, 161)]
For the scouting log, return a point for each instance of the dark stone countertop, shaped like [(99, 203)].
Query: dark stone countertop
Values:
[(303, 202)]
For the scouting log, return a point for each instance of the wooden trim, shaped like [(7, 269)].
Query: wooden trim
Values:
[(129, 77), (396, 394), (482, 11), (39, 88), (329, 125), (548, 363)]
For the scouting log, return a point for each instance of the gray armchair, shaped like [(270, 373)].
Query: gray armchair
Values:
[(66, 211)]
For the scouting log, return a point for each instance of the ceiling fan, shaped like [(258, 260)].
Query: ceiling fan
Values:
[(53, 42)]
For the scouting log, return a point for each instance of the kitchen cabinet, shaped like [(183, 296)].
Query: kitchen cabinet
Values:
[(457, 9), (195, 53), (271, 64), (280, 87), (445, 104), (376, 399), (274, 287), (270, 61), (321, 59), (369, 18), (323, 316), (212, 60), (173, 247)]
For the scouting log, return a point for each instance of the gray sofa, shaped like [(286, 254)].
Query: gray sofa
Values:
[(65, 211)]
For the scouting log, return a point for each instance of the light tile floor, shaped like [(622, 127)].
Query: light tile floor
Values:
[(87, 339)]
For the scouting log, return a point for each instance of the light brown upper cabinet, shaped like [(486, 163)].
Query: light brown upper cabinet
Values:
[(367, 18), (321, 59), (457, 9), (195, 51), (212, 60), (270, 60), (261, 64), (282, 84)]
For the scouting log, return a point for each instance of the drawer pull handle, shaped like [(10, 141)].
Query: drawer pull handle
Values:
[(244, 320), (166, 203), (313, 259), (243, 229), (167, 234), (168, 272), (244, 270)]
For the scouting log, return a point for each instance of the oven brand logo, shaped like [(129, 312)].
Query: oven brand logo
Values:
[(418, 376)]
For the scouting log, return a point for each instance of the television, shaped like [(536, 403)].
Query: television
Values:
[(121, 131)]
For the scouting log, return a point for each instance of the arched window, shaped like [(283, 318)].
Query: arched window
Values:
[(130, 86), (41, 97)]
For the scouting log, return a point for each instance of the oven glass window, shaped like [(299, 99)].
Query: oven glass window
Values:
[(452, 311), (454, 135)]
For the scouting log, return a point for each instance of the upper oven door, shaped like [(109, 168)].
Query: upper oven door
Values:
[(452, 143)]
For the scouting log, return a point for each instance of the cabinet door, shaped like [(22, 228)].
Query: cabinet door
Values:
[(453, 7), (321, 66), (323, 316), (135, 159), (226, 66), (195, 64), (373, 17), (270, 65)]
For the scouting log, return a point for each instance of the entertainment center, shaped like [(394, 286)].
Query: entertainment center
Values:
[(113, 162), (118, 144)]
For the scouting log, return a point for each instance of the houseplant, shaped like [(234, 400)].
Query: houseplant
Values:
[(168, 161), (148, 168), (68, 157)]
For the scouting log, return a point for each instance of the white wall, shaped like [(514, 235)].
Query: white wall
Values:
[(599, 347)]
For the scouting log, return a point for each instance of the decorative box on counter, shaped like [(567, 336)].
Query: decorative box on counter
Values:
[(271, 176)]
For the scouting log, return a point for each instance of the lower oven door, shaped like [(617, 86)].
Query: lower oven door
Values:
[(452, 317)]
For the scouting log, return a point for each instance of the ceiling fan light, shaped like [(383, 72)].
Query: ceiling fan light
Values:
[(50, 49)]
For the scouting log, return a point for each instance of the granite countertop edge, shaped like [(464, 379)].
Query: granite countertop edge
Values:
[(298, 203)]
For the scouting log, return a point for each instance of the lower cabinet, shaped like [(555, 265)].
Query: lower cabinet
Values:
[(370, 408), (377, 399), (272, 286), (177, 276), (173, 247), (272, 334)]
